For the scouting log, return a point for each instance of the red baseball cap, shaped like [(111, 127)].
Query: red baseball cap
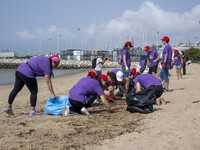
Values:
[(133, 71), (103, 77), (146, 48), (92, 74), (175, 51), (129, 43), (165, 38)]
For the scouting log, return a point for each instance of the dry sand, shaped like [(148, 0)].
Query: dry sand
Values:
[(173, 126)]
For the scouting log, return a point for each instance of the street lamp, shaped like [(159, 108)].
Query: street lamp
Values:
[(58, 42), (157, 39)]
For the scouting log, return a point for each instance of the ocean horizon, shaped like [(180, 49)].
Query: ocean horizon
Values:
[(7, 76)]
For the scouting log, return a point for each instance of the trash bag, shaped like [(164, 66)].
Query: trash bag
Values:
[(142, 101), (55, 106), (131, 89)]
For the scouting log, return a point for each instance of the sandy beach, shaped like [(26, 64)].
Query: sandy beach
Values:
[(169, 127)]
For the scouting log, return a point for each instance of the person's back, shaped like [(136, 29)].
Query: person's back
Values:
[(37, 66), (147, 80), (84, 86)]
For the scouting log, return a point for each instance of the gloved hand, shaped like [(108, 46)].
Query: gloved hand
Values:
[(182, 64), (127, 70), (155, 61), (112, 111), (164, 66)]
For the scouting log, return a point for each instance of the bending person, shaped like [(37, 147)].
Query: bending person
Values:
[(146, 81), (85, 92), (26, 74)]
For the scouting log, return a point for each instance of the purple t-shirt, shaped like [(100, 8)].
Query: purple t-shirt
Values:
[(128, 57), (115, 70), (177, 59), (84, 87), (40, 64), (147, 80), (142, 63), (167, 50), (152, 56)]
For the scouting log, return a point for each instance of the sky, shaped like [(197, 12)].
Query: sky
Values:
[(48, 26)]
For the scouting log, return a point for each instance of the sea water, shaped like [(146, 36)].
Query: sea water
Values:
[(7, 76)]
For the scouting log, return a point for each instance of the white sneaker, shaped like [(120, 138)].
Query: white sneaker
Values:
[(85, 111), (66, 111)]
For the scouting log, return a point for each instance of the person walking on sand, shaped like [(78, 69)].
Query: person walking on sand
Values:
[(166, 62), (26, 74), (152, 60), (126, 58), (85, 92), (178, 62), (144, 81)]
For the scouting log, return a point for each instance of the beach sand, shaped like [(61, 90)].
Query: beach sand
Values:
[(172, 126)]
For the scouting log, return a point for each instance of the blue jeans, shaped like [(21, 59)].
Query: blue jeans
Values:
[(126, 74), (98, 72), (164, 74)]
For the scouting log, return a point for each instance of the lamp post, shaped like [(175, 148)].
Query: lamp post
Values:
[(78, 37), (157, 39), (57, 43)]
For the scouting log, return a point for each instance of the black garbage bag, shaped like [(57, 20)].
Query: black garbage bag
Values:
[(131, 89), (142, 101)]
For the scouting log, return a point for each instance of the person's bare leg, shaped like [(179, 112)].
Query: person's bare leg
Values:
[(158, 101), (163, 102), (177, 74), (166, 85)]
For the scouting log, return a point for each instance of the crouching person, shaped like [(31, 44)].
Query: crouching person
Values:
[(144, 81), (85, 92)]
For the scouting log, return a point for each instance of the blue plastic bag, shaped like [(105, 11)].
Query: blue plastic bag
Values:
[(55, 107)]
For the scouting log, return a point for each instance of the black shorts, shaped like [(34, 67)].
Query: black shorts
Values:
[(153, 69), (158, 90)]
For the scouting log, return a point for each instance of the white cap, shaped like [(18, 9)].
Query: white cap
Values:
[(119, 76)]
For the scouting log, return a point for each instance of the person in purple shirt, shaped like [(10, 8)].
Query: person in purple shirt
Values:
[(143, 81), (166, 62), (178, 62), (26, 74), (85, 92), (152, 59), (122, 81), (126, 58)]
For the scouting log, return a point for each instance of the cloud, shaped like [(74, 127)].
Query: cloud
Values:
[(43, 34), (150, 19), (25, 34)]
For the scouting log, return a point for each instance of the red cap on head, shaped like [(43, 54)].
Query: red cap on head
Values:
[(128, 43), (146, 48), (92, 74), (55, 58), (103, 77), (165, 38), (175, 51), (133, 71)]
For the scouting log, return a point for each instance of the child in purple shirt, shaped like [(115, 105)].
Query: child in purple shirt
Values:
[(152, 59), (178, 62), (26, 74)]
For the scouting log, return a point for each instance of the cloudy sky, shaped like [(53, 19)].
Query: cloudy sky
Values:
[(43, 26)]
